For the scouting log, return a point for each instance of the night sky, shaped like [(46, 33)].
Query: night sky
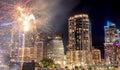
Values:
[(99, 12)]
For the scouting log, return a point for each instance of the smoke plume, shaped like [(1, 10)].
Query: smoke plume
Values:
[(51, 15)]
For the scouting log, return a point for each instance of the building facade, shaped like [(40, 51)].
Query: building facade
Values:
[(39, 44), (5, 44), (96, 56), (79, 32), (33, 52), (80, 43), (111, 36), (110, 32), (79, 58), (55, 49)]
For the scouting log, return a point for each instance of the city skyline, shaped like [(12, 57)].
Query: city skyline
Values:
[(80, 34), (99, 13)]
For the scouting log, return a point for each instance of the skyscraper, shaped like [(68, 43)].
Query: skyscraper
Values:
[(111, 36), (79, 32), (110, 32), (80, 43)]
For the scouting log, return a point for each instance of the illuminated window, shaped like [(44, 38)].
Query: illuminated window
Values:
[(79, 28), (79, 37), (77, 47), (84, 41), (75, 27), (77, 31), (74, 24), (87, 29), (72, 30), (77, 40)]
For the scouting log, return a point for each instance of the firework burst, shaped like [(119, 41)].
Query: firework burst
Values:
[(12, 11), (9, 9)]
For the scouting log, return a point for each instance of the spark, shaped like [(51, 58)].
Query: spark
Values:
[(10, 12), (9, 9)]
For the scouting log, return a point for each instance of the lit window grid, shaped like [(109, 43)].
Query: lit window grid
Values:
[(78, 30)]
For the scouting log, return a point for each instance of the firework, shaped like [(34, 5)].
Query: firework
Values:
[(11, 14), (9, 9)]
